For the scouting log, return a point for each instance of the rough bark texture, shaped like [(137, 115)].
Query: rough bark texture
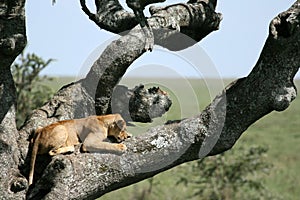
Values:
[(12, 42), (87, 176)]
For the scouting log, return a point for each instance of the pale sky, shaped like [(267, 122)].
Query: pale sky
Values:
[(65, 33)]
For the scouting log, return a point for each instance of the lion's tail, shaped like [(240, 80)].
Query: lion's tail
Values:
[(34, 152)]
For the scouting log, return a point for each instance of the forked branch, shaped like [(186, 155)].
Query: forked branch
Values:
[(268, 87)]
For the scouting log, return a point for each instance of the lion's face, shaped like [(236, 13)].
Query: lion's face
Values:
[(123, 135), (118, 131)]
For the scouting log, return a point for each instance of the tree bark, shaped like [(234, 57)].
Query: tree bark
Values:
[(87, 176), (12, 42)]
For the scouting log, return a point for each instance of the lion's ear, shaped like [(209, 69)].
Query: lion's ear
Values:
[(121, 124), (37, 130)]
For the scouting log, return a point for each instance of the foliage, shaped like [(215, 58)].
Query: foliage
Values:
[(237, 174), (30, 87)]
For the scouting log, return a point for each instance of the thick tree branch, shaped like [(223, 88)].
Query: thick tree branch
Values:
[(196, 18), (213, 131), (110, 16), (12, 42), (271, 79), (139, 104), (77, 99), (268, 87)]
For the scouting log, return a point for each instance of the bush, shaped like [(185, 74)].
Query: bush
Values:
[(236, 174), (30, 86)]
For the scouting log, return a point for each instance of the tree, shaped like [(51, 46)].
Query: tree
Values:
[(226, 176), (268, 87), (31, 92)]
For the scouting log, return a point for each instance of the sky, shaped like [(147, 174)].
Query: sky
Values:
[(63, 32)]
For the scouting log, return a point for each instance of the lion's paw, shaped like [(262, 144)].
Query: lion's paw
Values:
[(122, 147)]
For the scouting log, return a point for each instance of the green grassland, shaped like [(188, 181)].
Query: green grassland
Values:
[(279, 131)]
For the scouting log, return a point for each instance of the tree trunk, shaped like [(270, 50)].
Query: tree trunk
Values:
[(87, 176), (12, 42)]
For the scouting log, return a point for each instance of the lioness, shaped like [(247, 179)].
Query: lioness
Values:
[(61, 137)]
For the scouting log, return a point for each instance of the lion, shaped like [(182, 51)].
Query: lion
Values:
[(62, 137)]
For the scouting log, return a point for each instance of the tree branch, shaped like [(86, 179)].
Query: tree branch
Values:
[(271, 79), (213, 131), (120, 54), (12, 42), (86, 97), (196, 18), (110, 16)]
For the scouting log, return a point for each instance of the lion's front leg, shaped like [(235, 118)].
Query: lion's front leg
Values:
[(94, 144)]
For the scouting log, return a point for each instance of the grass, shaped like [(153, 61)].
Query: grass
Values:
[(280, 131), (58, 82)]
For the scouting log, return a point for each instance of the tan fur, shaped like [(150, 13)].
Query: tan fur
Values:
[(61, 137)]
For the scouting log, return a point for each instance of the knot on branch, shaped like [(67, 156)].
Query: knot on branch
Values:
[(18, 184), (8, 45), (283, 97), (12, 45), (17, 181), (140, 104), (152, 102), (56, 175), (179, 26), (286, 23), (110, 16)]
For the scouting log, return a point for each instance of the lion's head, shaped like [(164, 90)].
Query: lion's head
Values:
[(118, 130)]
